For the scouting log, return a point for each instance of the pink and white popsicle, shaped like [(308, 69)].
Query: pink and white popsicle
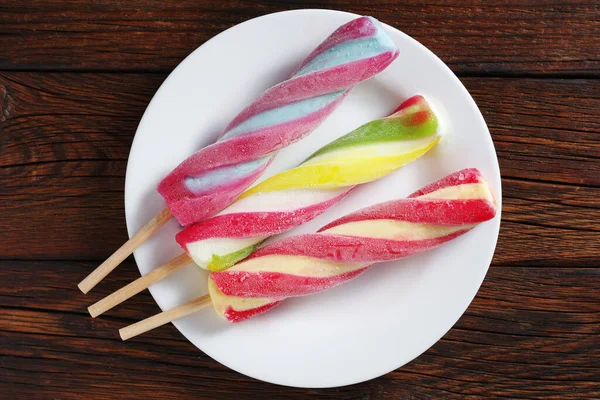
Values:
[(213, 177), (309, 263)]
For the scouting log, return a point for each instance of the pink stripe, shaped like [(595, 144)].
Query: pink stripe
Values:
[(233, 315), (416, 99), (315, 84), (427, 211), (462, 177), (275, 284), (350, 249), (251, 224)]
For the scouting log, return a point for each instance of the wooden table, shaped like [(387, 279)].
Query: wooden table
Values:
[(75, 78)]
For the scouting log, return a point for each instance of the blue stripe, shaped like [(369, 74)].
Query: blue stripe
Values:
[(351, 50), (346, 52), (217, 177), (283, 114)]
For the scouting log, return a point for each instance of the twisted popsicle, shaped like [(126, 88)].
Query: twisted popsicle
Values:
[(298, 195), (345, 248), (295, 196), (213, 177), (305, 264)]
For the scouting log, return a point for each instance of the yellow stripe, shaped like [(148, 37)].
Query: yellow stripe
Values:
[(294, 265), (343, 172), (221, 301), (394, 230), (468, 191)]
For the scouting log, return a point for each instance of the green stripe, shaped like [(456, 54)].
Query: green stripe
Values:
[(219, 263), (384, 130)]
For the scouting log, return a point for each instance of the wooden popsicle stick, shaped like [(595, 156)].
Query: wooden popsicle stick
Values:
[(138, 285), (164, 317), (125, 250)]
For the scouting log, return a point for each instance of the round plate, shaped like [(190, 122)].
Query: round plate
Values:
[(370, 325)]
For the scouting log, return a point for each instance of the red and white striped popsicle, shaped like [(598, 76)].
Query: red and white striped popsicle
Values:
[(309, 263)]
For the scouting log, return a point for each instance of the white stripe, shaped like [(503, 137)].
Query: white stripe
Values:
[(202, 251), (221, 301), (286, 200), (371, 150)]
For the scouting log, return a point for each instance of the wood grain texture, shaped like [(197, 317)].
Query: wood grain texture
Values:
[(65, 141), (485, 37), (66, 137), (530, 331)]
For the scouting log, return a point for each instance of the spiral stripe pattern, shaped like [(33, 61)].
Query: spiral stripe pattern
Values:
[(213, 177), (309, 263), (293, 197)]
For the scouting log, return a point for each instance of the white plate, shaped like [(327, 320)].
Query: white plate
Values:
[(373, 324)]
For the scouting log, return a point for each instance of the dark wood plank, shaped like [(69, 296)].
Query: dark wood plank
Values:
[(492, 37), (540, 227), (544, 130), (66, 136), (531, 333), (65, 142)]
